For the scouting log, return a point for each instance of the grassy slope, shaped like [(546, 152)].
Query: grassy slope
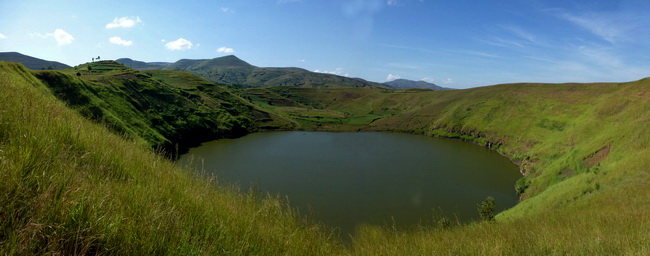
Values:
[(583, 148), (70, 186), (166, 109), (233, 71)]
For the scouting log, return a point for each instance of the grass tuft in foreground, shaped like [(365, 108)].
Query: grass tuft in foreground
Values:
[(70, 186)]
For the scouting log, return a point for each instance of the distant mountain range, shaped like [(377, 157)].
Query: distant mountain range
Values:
[(230, 70), (141, 65), (31, 62), (406, 84)]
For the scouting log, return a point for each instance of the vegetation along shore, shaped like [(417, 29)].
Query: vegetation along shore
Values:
[(86, 154)]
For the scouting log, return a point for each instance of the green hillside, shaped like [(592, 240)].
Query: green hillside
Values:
[(31, 62), (581, 147), (141, 65), (408, 84), (168, 110), (71, 186), (230, 70)]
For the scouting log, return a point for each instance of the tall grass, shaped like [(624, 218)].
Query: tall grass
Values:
[(582, 147), (71, 187)]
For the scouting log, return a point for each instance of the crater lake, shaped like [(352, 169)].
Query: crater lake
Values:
[(352, 178)]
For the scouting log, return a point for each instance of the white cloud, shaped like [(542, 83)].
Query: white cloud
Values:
[(392, 77), (337, 71), (225, 50), (119, 41), (601, 56), (391, 2), (448, 81), (62, 37), (124, 22), (227, 10), (301, 60), (612, 27), (428, 79), (599, 27), (2, 36), (179, 44)]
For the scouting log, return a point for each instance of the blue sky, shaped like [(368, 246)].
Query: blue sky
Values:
[(457, 44)]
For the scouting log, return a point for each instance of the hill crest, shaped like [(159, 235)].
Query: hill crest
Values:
[(407, 84), (31, 62), (231, 70)]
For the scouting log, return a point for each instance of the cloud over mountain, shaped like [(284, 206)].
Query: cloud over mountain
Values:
[(61, 37), (391, 77), (225, 50), (179, 44)]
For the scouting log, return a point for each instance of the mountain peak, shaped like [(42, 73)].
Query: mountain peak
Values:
[(229, 61), (404, 84)]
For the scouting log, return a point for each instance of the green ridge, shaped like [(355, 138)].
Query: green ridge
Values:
[(232, 71), (70, 186), (169, 110)]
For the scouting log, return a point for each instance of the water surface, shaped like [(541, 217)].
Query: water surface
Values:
[(346, 179)]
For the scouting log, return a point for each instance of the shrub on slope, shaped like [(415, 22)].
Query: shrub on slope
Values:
[(69, 186)]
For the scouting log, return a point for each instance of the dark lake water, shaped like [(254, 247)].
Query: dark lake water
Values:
[(346, 179)]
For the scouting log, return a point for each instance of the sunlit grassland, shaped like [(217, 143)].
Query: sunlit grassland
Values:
[(70, 186), (169, 110), (582, 149)]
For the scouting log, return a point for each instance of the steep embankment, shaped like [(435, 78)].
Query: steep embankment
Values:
[(558, 134), (69, 186), (553, 131), (582, 148), (167, 110)]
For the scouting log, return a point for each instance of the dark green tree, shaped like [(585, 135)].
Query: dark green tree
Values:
[(487, 209)]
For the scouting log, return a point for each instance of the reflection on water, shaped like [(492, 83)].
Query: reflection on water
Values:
[(346, 179)]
